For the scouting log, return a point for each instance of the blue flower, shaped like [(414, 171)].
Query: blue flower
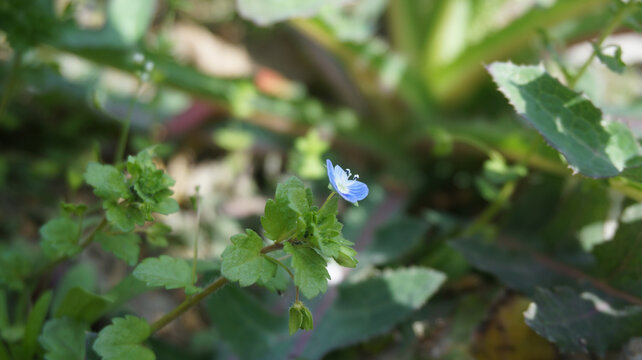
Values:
[(351, 190)]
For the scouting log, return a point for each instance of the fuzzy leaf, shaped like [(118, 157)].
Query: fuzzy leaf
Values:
[(124, 246), (108, 182), (310, 273), (123, 340), (124, 216), (63, 339), (284, 215), (243, 261), (165, 271), (60, 237), (582, 322), (567, 120)]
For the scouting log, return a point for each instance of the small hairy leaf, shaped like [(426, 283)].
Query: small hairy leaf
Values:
[(60, 237), (63, 339), (165, 271), (124, 246), (123, 216), (108, 182), (123, 340), (284, 215), (567, 120), (243, 261), (582, 322), (310, 273)]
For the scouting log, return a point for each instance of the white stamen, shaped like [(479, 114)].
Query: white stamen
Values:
[(349, 173), (356, 176)]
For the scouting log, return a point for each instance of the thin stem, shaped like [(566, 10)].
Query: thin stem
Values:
[(491, 211), (11, 83), (191, 301), (277, 262), (124, 132), (187, 304), (617, 19), (197, 230)]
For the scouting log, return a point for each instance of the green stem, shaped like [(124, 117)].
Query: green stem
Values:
[(11, 83), (612, 26), (124, 132), (491, 211), (191, 301), (197, 230)]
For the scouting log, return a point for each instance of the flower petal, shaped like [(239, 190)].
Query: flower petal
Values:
[(331, 176), (358, 190)]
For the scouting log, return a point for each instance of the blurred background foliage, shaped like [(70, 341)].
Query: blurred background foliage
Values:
[(241, 94)]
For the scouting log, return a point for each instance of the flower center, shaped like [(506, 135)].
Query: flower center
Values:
[(342, 187)]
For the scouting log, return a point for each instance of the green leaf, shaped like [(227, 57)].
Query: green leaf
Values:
[(82, 275), (280, 280), (123, 216), (265, 12), (166, 206), (582, 322), (620, 259), (63, 339), (82, 305), (15, 266), (243, 261), (165, 271), (108, 182), (295, 320), (567, 120), (372, 307), (284, 215), (613, 62), (60, 237), (327, 232), (124, 246), (394, 240), (122, 340), (238, 317), (34, 324), (518, 270), (131, 19), (310, 273), (156, 234)]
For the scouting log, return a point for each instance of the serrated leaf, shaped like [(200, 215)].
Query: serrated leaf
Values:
[(582, 322), (124, 246), (165, 271), (243, 261), (82, 305), (60, 237), (310, 273), (280, 280), (372, 307), (265, 12), (166, 206), (567, 120), (613, 62), (108, 182), (284, 215), (327, 231), (123, 340), (129, 19), (123, 216), (63, 339)]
